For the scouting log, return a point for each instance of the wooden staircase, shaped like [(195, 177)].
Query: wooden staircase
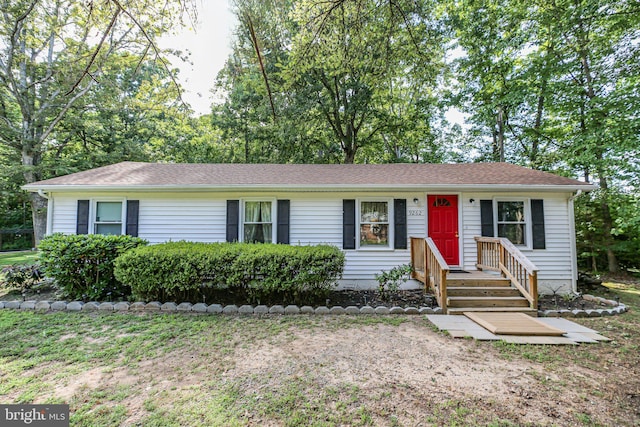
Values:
[(506, 281), (482, 292)]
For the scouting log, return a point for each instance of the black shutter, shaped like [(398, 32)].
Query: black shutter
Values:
[(82, 220), (233, 220), (486, 217), (537, 220), (133, 209), (400, 223), (348, 224), (283, 221)]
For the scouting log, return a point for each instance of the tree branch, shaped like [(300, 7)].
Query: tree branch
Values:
[(254, 41), (96, 51), (155, 49)]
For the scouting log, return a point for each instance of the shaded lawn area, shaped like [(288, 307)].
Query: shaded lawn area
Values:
[(22, 258), (171, 370)]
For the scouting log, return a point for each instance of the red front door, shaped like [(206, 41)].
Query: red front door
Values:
[(442, 214)]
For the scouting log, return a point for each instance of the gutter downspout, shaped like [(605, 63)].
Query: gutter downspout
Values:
[(49, 198), (572, 238)]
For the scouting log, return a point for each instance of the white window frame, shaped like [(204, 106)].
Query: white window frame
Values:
[(528, 236), (93, 210), (390, 222), (274, 220)]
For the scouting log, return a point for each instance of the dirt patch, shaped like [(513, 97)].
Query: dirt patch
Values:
[(90, 379), (420, 366)]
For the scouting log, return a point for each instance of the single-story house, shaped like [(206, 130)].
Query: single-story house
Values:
[(370, 211)]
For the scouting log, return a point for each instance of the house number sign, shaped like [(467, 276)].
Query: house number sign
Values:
[(416, 212)]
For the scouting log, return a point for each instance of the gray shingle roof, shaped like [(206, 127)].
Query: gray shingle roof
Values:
[(165, 175)]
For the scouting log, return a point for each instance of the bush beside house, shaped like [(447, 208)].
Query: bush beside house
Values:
[(258, 273), (82, 265)]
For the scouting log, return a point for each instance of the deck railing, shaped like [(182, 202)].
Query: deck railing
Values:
[(430, 268), (499, 254), (418, 259)]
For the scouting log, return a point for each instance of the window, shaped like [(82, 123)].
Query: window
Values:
[(520, 221), (441, 201), (108, 219), (258, 222), (511, 221), (374, 224)]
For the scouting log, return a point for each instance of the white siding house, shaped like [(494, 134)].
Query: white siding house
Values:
[(370, 211)]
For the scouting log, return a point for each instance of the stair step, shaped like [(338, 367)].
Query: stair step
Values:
[(482, 291), (479, 282), (487, 302), (460, 310)]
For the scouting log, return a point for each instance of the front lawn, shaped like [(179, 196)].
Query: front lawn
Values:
[(192, 370), (22, 258)]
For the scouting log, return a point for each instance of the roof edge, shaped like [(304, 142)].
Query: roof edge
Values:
[(320, 188)]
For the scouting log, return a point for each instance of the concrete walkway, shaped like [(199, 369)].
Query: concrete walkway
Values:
[(463, 327)]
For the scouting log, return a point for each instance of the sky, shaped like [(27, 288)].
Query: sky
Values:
[(210, 45)]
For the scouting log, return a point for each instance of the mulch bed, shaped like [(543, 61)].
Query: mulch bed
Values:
[(419, 298)]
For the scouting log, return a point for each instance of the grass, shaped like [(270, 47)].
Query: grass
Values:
[(22, 257), (43, 353)]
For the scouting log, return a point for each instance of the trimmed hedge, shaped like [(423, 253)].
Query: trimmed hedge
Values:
[(257, 273), (82, 265)]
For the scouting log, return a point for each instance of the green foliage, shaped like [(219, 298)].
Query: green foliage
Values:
[(554, 85), (62, 63), (260, 272), (82, 265), (389, 281), (318, 82), (21, 277), (590, 242)]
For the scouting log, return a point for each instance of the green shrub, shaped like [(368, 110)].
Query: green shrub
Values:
[(389, 281), (82, 265), (259, 273)]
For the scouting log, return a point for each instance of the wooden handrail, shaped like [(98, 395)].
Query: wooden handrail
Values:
[(436, 273), (418, 259), (430, 268), (499, 254)]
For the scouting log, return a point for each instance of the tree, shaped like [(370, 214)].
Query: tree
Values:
[(363, 62), (339, 81), (133, 115), (601, 101), (553, 84), (52, 54)]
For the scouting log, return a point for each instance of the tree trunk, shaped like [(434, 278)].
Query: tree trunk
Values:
[(501, 134), (349, 157), (39, 215), (607, 226), (38, 203), (535, 144)]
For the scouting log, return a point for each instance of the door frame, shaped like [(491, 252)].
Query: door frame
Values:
[(460, 223)]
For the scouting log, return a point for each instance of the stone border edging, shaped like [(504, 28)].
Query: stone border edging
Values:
[(618, 308), (186, 307)]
